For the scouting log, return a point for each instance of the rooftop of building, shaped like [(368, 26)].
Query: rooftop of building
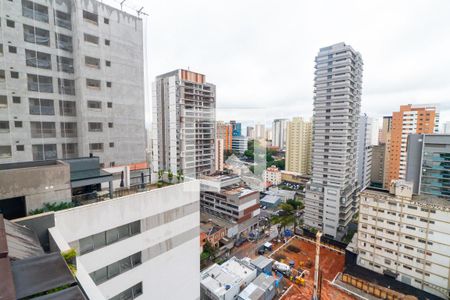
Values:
[(238, 191), (272, 199), (429, 201), (220, 278), (257, 288), (221, 177), (261, 261), (30, 164), (209, 227)]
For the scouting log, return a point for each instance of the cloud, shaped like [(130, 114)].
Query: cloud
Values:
[(261, 53)]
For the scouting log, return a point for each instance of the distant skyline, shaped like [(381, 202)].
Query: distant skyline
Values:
[(260, 54)]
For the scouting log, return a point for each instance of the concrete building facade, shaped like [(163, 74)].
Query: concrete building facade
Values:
[(279, 133), (364, 153), (410, 119), (225, 132), (298, 146), (226, 197), (62, 89), (184, 120), (428, 164), (330, 201), (250, 132), (130, 247), (240, 144), (377, 169), (406, 237), (273, 175)]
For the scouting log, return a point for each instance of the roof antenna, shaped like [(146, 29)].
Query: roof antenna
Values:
[(140, 12), (121, 3)]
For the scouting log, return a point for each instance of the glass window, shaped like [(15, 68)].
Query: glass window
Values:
[(68, 129), (41, 107), (86, 245), (65, 64), (90, 17), (63, 19), (113, 270), (136, 259), (125, 264), (100, 276), (39, 83), (93, 83), (1, 49), (63, 42), (67, 108), (70, 150), (92, 62), (43, 129), (94, 104), (12, 49), (2, 75), (124, 231), (34, 11), (4, 126), (3, 101), (10, 23), (99, 240), (5, 151), (91, 38), (112, 235), (36, 35), (95, 127), (66, 86), (135, 227), (38, 59)]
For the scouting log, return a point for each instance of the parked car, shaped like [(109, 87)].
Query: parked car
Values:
[(240, 241), (261, 250)]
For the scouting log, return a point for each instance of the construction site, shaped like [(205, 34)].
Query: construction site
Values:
[(300, 253)]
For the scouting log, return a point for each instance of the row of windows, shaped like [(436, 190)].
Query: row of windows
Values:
[(42, 152), (103, 274), (39, 106), (48, 129), (129, 294), (102, 239)]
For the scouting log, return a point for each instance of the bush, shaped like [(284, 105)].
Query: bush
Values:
[(52, 207), (159, 184)]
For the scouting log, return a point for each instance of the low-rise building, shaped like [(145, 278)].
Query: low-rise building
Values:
[(224, 282), (405, 236), (262, 288), (294, 177), (226, 197), (284, 195), (270, 201), (272, 175), (212, 233)]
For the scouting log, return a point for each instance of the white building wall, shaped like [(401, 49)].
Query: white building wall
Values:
[(156, 272)]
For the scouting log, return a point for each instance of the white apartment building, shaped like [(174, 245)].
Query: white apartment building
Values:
[(279, 133), (260, 131), (272, 175), (134, 247), (406, 236), (364, 152), (330, 200), (184, 108), (240, 144), (63, 93), (298, 146)]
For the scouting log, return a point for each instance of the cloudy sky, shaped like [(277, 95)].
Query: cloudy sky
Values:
[(260, 54)]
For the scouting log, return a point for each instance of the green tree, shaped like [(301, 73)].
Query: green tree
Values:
[(170, 176), (285, 217), (296, 204), (248, 153), (160, 174), (179, 175)]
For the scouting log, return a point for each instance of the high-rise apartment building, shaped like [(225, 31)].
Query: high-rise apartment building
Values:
[(279, 129), (446, 128), (298, 146), (225, 132), (428, 164), (405, 236), (377, 169), (184, 132), (62, 89), (237, 128), (410, 119), (250, 132), (330, 200), (260, 131), (385, 130), (364, 153)]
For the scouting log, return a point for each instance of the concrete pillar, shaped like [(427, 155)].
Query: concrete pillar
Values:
[(111, 189)]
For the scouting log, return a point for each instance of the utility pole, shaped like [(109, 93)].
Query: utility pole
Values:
[(316, 266)]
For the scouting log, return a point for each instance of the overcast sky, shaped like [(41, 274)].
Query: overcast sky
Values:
[(260, 54)]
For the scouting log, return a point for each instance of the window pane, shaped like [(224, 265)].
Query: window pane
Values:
[(86, 245), (123, 231), (113, 270), (99, 240), (136, 259), (125, 264), (99, 276), (112, 236), (135, 227)]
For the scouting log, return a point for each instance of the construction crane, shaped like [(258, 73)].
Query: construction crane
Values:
[(316, 293)]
